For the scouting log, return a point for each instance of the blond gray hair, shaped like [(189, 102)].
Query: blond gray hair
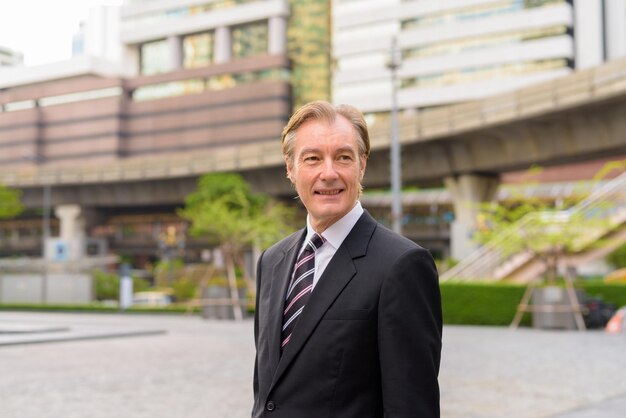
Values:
[(323, 111)]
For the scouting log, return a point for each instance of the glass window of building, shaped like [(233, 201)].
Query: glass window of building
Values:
[(198, 50), (250, 39), (171, 89), (479, 74), (221, 82), (154, 57), (474, 43), (308, 45), (476, 12)]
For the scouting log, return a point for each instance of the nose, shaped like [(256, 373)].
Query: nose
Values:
[(329, 171)]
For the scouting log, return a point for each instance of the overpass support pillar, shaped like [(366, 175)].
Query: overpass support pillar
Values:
[(277, 35), (468, 191), (175, 46), (72, 231), (222, 45)]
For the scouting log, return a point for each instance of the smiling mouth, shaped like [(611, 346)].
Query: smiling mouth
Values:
[(329, 192)]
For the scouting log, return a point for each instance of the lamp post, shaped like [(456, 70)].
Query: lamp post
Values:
[(47, 192), (395, 159), (45, 228)]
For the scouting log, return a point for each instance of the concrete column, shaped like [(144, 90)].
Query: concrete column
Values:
[(588, 33), (615, 30), (468, 191), (277, 34), (131, 60), (175, 47), (223, 45), (71, 231)]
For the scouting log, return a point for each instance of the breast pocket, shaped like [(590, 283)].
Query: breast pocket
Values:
[(347, 314)]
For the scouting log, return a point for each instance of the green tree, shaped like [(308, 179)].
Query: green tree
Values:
[(536, 227), (618, 257), (548, 233), (224, 209), (533, 228), (550, 230), (10, 203)]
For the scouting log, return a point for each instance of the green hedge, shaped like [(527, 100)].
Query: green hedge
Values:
[(480, 303), (462, 303), (613, 293), (496, 303), (107, 285)]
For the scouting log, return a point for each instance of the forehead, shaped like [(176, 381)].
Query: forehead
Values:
[(339, 132)]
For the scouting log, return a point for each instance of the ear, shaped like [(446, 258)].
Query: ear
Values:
[(362, 167), (290, 174)]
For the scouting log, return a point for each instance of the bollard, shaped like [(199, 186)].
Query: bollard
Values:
[(126, 287)]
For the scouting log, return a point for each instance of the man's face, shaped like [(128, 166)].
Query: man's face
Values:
[(326, 170)]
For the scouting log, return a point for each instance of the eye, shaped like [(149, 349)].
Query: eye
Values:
[(310, 159), (345, 157)]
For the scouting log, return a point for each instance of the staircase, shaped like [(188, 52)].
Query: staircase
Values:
[(606, 204)]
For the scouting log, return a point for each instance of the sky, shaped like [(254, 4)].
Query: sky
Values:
[(42, 30)]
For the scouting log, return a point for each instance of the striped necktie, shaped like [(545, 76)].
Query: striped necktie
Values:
[(300, 287)]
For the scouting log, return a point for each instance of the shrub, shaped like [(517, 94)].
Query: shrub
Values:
[(184, 289), (107, 285), (611, 293), (166, 272), (496, 303), (480, 303), (618, 257)]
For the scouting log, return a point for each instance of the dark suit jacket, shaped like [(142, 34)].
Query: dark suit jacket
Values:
[(368, 342)]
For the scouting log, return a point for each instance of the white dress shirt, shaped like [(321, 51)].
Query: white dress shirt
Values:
[(334, 236)]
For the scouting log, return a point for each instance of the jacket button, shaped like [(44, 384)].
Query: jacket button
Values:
[(270, 406)]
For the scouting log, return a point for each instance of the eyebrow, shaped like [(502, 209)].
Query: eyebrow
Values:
[(339, 150)]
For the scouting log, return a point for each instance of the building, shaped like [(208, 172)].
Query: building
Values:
[(205, 83), (196, 79), (98, 34), (161, 37), (461, 50), (205, 53)]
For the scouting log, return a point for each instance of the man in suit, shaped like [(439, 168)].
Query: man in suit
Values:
[(348, 313)]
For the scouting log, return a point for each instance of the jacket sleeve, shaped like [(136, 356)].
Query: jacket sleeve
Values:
[(409, 337), (255, 380)]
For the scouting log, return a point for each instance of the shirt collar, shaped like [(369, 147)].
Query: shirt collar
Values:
[(337, 232)]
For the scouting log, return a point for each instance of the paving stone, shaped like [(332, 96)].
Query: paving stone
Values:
[(200, 368)]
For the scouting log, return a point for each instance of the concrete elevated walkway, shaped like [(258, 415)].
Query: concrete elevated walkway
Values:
[(547, 124)]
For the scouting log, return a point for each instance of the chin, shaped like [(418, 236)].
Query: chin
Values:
[(334, 212)]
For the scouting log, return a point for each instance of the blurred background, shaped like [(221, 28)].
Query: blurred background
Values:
[(141, 172), (481, 113)]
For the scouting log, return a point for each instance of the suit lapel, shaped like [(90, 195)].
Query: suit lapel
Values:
[(281, 275), (337, 275)]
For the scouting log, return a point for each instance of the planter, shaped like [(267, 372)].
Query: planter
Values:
[(556, 308), (216, 302)]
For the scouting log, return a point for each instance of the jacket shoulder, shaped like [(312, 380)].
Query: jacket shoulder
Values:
[(385, 236), (390, 246), (282, 246)]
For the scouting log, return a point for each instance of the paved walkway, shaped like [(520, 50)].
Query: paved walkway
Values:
[(175, 366)]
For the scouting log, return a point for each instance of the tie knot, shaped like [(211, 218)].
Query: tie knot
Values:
[(315, 242)]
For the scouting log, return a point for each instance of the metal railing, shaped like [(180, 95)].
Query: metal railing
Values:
[(607, 203)]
